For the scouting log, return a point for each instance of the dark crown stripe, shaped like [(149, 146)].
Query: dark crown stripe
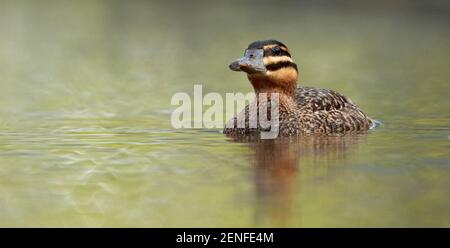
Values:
[(261, 43), (279, 65)]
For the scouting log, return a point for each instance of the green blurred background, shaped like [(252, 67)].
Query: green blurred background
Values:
[(85, 134)]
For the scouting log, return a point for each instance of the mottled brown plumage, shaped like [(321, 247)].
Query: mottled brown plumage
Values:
[(302, 110)]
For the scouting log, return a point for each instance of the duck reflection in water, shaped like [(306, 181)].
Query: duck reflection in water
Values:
[(278, 164)]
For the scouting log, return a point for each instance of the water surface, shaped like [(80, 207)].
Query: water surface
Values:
[(86, 140)]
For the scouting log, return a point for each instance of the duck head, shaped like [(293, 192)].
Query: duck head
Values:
[(269, 67)]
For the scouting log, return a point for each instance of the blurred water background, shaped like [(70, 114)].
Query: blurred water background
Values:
[(85, 134)]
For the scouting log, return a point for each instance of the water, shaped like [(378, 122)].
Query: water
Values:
[(86, 140)]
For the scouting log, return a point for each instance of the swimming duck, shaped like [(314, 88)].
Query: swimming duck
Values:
[(302, 110)]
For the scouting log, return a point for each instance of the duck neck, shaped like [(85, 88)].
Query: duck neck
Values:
[(286, 90)]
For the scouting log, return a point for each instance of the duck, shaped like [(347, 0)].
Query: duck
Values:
[(302, 110)]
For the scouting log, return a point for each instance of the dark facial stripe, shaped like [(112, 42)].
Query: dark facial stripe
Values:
[(276, 52), (279, 65)]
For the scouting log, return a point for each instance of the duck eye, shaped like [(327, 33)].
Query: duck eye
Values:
[(276, 50)]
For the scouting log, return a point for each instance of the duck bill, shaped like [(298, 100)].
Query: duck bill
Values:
[(236, 65), (252, 62)]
